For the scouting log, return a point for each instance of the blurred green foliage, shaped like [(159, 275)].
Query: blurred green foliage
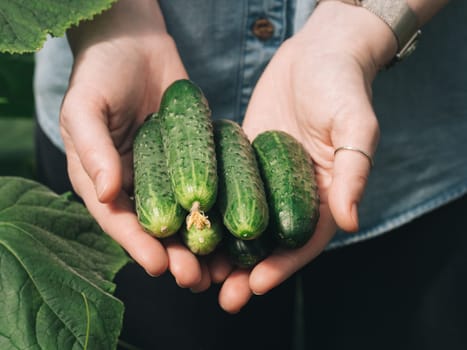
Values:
[(16, 115), (16, 74)]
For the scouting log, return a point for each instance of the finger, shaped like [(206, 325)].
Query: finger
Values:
[(219, 268), (183, 264), (205, 281), (85, 131), (351, 168), (235, 292), (119, 221), (278, 267)]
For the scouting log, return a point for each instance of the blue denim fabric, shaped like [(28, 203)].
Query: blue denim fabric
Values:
[(51, 72), (421, 103), (218, 47)]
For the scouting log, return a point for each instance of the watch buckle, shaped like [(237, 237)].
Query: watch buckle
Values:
[(409, 47)]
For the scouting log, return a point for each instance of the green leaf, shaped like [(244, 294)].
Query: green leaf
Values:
[(24, 24), (56, 272)]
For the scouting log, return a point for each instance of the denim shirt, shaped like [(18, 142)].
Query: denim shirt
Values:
[(421, 103)]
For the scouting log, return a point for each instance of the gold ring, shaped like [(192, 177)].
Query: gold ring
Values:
[(350, 148)]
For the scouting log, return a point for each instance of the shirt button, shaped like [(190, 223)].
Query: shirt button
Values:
[(263, 29)]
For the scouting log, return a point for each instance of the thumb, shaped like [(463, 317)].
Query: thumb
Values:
[(354, 146), (87, 140)]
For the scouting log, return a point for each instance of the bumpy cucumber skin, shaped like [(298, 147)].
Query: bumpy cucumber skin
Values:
[(248, 253), (242, 198), (156, 207), (289, 178), (187, 133), (204, 241)]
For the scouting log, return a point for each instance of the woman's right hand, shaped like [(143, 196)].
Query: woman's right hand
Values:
[(123, 61)]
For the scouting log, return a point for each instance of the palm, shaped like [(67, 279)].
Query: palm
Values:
[(118, 83), (113, 87), (307, 96)]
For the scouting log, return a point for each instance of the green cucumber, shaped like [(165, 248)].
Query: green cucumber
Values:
[(247, 253), (157, 209), (205, 240), (187, 134), (242, 199), (289, 178)]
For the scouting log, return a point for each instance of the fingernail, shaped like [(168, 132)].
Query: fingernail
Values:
[(181, 285), (233, 312), (354, 213), (101, 185), (150, 274)]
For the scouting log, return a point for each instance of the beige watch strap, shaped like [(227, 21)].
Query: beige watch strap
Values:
[(398, 16)]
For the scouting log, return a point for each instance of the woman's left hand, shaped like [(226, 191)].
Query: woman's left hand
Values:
[(318, 88)]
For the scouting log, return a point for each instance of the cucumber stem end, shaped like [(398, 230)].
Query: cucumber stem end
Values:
[(196, 217)]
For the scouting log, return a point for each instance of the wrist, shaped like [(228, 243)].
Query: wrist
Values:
[(403, 17), (341, 28), (127, 20)]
